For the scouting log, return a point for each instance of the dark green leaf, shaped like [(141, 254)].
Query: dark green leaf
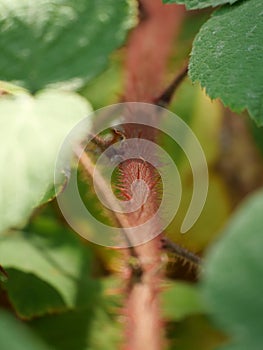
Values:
[(232, 283), (82, 330), (199, 4), (95, 328), (48, 271), (52, 41), (31, 296), (227, 57)]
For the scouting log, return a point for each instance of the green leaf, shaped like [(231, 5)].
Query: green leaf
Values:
[(52, 41), (31, 296), (199, 4), (16, 336), (232, 283), (49, 270), (32, 130), (227, 57), (181, 300), (12, 89), (96, 328)]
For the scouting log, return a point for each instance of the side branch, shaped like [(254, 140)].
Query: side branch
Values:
[(180, 251), (165, 98), (122, 221)]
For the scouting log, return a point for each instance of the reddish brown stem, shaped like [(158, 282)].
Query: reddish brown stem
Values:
[(147, 53)]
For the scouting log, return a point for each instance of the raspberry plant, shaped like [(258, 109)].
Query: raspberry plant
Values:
[(61, 60)]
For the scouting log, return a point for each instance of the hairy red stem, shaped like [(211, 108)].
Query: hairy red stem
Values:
[(147, 53)]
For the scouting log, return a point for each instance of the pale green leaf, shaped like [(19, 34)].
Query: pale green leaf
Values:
[(32, 130), (8, 88)]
